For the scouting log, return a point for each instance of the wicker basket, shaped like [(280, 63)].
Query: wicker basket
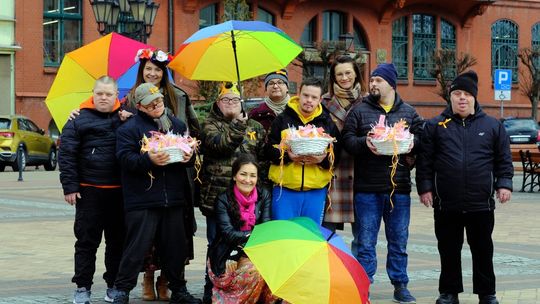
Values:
[(309, 146), (386, 147), (175, 154)]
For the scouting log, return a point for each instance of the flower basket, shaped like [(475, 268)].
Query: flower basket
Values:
[(175, 154), (309, 146), (389, 146)]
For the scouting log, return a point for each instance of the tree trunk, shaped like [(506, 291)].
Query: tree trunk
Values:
[(534, 108)]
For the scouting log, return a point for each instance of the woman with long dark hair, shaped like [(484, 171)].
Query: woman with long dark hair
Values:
[(346, 88), (238, 209)]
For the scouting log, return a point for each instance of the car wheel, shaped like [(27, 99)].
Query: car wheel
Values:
[(2, 167), (22, 155), (51, 163)]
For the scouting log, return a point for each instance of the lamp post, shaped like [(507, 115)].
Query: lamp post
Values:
[(347, 40), (131, 18)]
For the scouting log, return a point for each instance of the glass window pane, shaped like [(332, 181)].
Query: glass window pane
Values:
[(72, 6), (72, 36), (359, 40), (333, 25), (50, 6), (424, 44), (264, 15), (536, 34), (307, 35), (51, 30), (400, 46), (207, 16), (504, 47)]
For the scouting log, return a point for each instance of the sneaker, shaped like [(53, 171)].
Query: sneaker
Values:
[(82, 296), (183, 296), (402, 295), (489, 299), (121, 297), (447, 298), (110, 294)]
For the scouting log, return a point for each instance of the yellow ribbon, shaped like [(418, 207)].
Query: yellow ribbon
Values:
[(252, 135), (443, 123)]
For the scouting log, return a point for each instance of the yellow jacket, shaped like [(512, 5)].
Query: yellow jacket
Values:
[(296, 176)]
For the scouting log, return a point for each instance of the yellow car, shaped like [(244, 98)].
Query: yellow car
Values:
[(37, 148)]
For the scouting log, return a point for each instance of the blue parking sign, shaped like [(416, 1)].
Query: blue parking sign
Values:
[(503, 84)]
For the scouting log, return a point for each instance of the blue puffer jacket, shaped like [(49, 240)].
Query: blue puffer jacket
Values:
[(463, 161), (144, 184)]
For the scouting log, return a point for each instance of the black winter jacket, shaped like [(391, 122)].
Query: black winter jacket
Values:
[(168, 187), (463, 161), (87, 153), (372, 172), (228, 236)]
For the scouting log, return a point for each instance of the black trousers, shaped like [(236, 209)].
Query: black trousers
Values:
[(99, 211), (478, 226), (162, 227)]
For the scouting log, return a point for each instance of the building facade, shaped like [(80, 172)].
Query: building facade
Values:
[(8, 48), (405, 32)]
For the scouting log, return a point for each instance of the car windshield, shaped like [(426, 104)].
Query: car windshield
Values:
[(5, 123), (520, 124)]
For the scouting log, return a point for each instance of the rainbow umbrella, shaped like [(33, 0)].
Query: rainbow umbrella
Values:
[(303, 262), (111, 55), (234, 51)]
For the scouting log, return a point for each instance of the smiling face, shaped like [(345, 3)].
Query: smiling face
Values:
[(310, 98), (104, 95), (230, 105), (152, 73), (276, 89), (462, 103), (246, 178), (345, 75)]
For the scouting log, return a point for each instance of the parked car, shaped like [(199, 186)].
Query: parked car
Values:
[(522, 130), (37, 148)]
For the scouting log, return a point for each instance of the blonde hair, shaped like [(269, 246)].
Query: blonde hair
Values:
[(106, 80)]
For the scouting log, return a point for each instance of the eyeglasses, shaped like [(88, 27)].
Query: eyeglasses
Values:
[(154, 105), (273, 83), (228, 100)]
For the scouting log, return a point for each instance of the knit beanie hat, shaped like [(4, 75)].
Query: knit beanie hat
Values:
[(467, 81), (388, 72), (279, 74), (146, 93)]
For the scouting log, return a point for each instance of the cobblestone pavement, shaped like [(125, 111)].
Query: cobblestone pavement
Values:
[(36, 251)]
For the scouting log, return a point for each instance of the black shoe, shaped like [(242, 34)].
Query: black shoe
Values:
[(489, 299), (182, 296), (121, 297), (448, 298)]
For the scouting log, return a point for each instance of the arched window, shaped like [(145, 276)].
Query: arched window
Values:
[(535, 35), (208, 15), (448, 35), (424, 44), (359, 39), (308, 35), (400, 46), (333, 25), (266, 16), (504, 47)]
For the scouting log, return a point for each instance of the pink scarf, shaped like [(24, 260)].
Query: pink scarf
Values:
[(247, 208)]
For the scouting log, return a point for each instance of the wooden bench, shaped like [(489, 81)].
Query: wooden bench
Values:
[(529, 157)]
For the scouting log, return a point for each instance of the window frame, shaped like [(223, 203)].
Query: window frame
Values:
[(215, 14), (266, 13), (61, 16), (506, 44)]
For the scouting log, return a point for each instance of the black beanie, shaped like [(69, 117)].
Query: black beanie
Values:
[(467, 81), (388, 72)]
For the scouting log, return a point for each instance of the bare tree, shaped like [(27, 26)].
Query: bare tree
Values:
[(530, 78), (446, 67)]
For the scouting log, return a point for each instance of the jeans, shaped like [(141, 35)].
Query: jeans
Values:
[(369, 209)]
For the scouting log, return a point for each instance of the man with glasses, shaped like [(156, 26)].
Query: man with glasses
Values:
[(276, 86), (155, 200), (226, 133)]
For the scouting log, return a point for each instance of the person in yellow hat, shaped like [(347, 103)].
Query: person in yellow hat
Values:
[(226, 133)]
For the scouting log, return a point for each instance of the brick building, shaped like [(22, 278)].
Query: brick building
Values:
[(401, 31)]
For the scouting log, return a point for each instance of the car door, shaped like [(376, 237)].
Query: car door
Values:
[(40, 141)]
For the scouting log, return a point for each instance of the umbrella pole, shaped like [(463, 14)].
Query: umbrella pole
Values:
[(236, 63)]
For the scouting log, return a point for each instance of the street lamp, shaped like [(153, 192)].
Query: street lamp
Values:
[(131, 18), (347, 40)]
